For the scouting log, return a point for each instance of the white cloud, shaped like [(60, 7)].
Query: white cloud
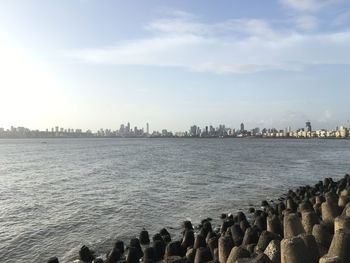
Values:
[(231, 46), (308, 5)]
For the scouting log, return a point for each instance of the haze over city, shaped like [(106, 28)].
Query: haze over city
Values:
[(93, 64)]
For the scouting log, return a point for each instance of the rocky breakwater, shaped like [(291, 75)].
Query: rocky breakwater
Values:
[(310, 224)]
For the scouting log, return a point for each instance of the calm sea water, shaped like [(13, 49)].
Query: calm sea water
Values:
[(59, 195)]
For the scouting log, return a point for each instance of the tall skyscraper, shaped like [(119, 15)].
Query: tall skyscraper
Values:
[(242, 127), (147, 128), (193, 130), (308, 126), (128, 127)]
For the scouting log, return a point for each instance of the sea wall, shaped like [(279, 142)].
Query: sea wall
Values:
[(309, 224)]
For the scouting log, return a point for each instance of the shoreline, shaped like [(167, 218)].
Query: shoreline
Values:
[(187, 138), (310, 220)]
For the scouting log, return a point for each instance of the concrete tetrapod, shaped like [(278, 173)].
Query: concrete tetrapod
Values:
[(326, 259), (274, 225), (322, 235), (330, 211), (313, 253), (199, 241), (236, 253), (273, 251), (261, 258), (225, 246), (149, 255), (341, 222), (174, 259), (202, 255), (343, 200), (308, 220), (346, 210), (340, 245), (191, 254), (265, 238), (213, 244), (293, 250), (292, 225)]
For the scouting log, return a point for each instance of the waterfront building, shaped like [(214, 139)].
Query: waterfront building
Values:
[(342, 132)]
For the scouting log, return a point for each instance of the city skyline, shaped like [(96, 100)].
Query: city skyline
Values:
[(207, 131), (91, 64)]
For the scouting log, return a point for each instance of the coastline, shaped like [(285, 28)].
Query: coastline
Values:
[(310, 220), (164, 137)]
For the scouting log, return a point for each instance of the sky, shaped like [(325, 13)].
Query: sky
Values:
[(94, 64)]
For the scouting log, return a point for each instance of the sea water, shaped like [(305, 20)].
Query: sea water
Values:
[(59, 194)]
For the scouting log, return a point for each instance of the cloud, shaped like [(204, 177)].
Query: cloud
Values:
[(230, 46), (309, 5)]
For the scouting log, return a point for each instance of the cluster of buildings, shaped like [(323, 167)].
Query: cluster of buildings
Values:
[(306, 132), (22, 132), (126, 131)]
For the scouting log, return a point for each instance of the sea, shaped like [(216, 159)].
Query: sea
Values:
[(59, 194)]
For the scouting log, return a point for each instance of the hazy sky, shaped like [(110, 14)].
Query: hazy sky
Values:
[(96, 64)]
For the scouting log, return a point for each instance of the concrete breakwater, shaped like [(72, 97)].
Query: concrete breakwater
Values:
[(309, 224)]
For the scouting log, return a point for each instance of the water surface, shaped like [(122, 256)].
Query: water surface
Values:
[(59, 195)]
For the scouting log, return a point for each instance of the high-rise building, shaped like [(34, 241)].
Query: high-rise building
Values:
[(147, 128), (211, 130), (193, 130), (242, 127), (122, 129), (308, 126), (128, 127)]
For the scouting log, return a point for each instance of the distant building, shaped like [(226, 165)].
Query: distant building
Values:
[(122, 129), (342, 132), (128, 127), (308, 126), (211, 130), (193, 131), (242, 127), (147, 128)]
